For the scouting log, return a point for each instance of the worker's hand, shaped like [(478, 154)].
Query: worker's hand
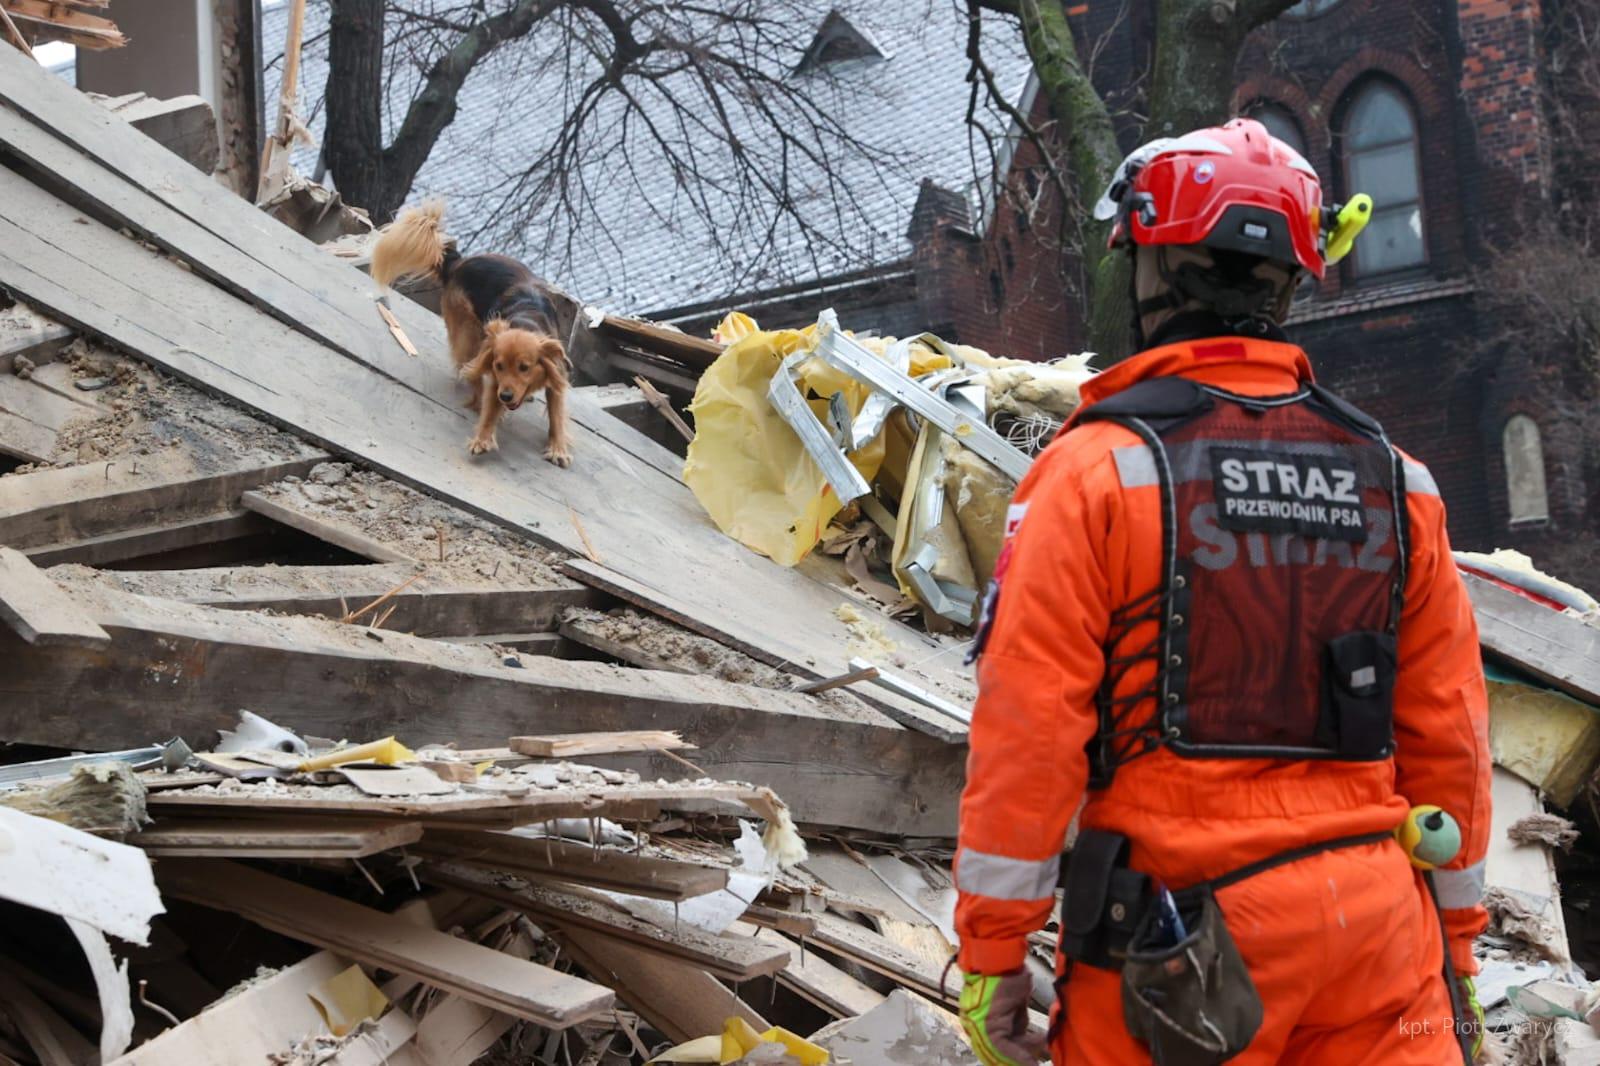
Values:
[(994, 1012), (1475, 1018)]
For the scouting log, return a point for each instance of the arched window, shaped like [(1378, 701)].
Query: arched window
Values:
[(1524, 456), (1380, 155), (1280, 122)]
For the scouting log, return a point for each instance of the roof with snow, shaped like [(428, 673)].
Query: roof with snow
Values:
[(639, 238)]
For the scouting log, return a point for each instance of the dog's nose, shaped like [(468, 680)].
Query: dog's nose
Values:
[(506, 396)]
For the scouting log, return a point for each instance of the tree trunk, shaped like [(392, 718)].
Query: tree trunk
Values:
[(1092, 156), (1197, 49), (353, 141)]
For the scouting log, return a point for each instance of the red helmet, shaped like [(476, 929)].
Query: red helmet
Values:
[(1234, 187)]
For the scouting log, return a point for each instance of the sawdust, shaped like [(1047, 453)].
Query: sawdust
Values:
[(657, 639), (1542, 828), (414, 524), (867, 635)]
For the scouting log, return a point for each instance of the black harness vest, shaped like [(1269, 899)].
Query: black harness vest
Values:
[(1283, 540)]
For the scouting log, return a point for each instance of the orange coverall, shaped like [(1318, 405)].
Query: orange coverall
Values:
[(1343, 946)]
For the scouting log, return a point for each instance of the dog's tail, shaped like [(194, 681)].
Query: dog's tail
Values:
[(414, 246)]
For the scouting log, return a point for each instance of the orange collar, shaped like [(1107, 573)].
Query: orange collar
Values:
[(1243, 365)]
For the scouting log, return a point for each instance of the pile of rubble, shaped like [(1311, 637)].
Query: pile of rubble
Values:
[(331, 745)]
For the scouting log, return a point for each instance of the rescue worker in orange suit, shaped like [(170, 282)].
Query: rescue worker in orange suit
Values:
[(1226, 619)]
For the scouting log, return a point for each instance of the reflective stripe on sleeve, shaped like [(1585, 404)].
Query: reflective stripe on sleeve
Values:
[(1136, 466), (1418, 479), (1459, 888), (998, 877)]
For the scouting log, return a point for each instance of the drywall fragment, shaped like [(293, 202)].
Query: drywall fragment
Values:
[(55, 868), (905, 1030), (111, 985)]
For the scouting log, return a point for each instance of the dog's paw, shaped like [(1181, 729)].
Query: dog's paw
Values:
[(559, 456), (479, 445)]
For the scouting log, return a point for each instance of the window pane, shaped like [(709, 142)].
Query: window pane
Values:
[(1524, 458), (1391, 241), (1281, 124), (1379, 116), (1388, 175)]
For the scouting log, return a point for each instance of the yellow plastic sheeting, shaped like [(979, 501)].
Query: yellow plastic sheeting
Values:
[(347, 999), (746, 466), (738, 1039)]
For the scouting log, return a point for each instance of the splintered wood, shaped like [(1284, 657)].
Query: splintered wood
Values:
[(570, 745)]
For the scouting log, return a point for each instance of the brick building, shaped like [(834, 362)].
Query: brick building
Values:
[(1437, 108)]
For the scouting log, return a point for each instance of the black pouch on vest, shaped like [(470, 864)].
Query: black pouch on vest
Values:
[(1103, 900), (1358, 672), (1192, 1003)]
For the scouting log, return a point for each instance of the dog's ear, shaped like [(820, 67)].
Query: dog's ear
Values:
[(554, 356), (479, 366)]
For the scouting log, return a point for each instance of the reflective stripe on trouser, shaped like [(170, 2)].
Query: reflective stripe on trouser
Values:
[(999, 877), (1344, 949)]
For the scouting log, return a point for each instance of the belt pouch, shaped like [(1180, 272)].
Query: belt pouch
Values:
[(1192, 1003)]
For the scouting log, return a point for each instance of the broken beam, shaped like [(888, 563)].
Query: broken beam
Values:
[(619, 871), (524, 989), (178, 668), (732, 957), (436, 604)]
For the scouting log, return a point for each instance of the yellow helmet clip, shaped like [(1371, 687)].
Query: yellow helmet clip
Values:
[(1352, 219)]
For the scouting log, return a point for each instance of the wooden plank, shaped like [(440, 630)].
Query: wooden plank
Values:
[(881, 955), (25, 440), (732, 957), (1559, 650), (907, 712), (625, 802), (176, 668), (341, 536), (437, 603), (819, 981), (151, 540), (566, 860), (55, 1042), (621, 496), (278, 839), (696, 352), (573, 745), (524, 989), (459, 1031), (674, 997), (58, 21), (30, 336), (71, 504), (531, 643), (38, 405), (37, 609)]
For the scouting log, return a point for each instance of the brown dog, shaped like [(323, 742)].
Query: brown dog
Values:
[(502, 326)]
